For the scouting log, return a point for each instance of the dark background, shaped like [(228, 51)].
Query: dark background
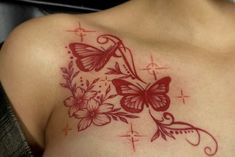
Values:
[(14, 12)]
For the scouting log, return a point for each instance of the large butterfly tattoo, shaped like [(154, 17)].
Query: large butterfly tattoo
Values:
[(136, 97), (91, 58)]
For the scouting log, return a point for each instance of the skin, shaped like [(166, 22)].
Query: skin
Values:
[(196, 39)]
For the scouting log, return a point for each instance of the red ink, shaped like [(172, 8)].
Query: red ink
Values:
[(79, 96), (86, 105), (106, 81), (94, 113), (116, 70), (132, 136), (81, 32), (182, 96), (153, 68), (67, 129), (92, 105), (99, 114), (135, 97), (91, 58), (167, 126)]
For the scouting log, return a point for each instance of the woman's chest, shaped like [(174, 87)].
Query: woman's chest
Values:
[(126, 103)]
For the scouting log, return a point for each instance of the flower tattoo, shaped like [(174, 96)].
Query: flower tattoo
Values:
[(92, 105)]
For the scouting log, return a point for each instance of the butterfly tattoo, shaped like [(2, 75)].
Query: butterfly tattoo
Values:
[(90, 58), (134, 97)]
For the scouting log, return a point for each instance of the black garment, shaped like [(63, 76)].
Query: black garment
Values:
[(12, 140)]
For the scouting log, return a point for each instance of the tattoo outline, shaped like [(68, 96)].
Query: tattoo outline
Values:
[(91, 107)]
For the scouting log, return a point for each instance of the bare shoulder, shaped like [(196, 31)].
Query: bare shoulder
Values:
[(36, 45), (36, 31), (33, 36), (44, 34), (30, 50), (29, 63)]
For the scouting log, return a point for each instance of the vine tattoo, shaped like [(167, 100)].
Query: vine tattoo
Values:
[(93, 107)]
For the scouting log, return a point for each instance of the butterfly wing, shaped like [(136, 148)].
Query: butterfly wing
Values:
[(132, 100), (88, 57), (157, 94), (110, 51)]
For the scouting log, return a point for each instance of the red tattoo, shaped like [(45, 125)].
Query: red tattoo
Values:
[(133, 136), (182, 96), (153, 68), (106, 81), (81, 32), (67, 129), (93, 107), (168, 127), (90, 58), (135, 97), (88, 105)]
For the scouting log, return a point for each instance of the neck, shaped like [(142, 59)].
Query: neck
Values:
[(183, 12), (181, 6), (187, 20)]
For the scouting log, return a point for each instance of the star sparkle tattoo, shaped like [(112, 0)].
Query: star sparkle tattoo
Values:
[(133, 137), (120, 81)]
